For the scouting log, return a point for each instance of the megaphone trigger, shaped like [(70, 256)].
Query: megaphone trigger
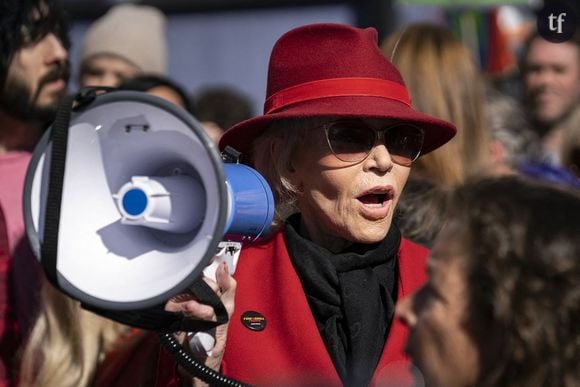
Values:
[(228, 252), (202, 343)]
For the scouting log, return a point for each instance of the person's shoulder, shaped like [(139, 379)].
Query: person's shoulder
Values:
[(264, 241), (411, 250), (412, 261), (263, 245), (257, 255)]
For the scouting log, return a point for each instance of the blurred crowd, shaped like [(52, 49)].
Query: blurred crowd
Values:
[(498, 204)]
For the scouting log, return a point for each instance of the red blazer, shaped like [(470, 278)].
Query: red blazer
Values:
[(290, 347), (289, 350)]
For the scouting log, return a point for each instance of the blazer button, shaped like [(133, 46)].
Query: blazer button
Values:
[(254, 321)]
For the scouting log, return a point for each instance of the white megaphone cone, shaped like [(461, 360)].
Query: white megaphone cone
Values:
[(146, 200)]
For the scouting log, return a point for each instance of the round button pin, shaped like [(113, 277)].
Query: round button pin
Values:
[(254, 321)]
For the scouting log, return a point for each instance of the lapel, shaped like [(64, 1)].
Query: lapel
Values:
[(393, 367), (290, 345)]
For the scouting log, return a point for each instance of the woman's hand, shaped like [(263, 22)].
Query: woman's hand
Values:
[(225, 288)]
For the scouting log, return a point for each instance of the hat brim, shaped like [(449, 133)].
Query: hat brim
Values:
[(437, 132)]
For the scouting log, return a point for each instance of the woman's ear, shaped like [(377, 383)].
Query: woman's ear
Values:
[(286, 169), (276, 151)]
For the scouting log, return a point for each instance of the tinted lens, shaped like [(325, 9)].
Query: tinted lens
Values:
[(350, 141), (404, 143)]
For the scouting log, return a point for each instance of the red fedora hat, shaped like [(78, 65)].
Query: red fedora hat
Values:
[(334, 70)]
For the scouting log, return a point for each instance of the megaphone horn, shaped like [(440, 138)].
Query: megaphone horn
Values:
[(145, 201)]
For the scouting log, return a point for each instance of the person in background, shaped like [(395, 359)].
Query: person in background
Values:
[(160, 86), (67, 343), (516, 148), (128, 40), (565, 172), (33, 78), (571, 144), (218, 108), (513, 142), (551, 84), (502, 303), (444, 81)]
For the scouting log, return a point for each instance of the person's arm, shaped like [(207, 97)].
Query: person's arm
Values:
[(225, 288)]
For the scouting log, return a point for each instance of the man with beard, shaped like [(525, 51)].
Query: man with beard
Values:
[(33, 78), (551, 80)]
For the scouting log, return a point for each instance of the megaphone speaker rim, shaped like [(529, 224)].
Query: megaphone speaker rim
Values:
[(214, 159)]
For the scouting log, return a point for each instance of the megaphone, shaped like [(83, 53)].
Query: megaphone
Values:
[(144, 201)]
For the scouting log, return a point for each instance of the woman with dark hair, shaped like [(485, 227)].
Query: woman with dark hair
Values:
[(502, 304)]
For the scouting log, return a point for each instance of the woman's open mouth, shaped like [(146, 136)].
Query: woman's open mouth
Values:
[(376, 202)]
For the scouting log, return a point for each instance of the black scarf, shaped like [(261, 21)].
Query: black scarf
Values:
[(352, 297)]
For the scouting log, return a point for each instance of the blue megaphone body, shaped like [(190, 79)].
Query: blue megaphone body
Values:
[(172, 203)]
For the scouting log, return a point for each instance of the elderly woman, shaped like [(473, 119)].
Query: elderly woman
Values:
[(314, 301), (502, 304)]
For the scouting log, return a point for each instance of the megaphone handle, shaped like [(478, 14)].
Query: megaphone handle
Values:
[(195, 368), (202, 343)]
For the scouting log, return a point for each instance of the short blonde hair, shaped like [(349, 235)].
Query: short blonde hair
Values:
[(285, 138)]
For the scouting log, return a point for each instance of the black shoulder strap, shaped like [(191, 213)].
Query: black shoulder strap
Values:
[(59, 138), (157, 319), (57, 162)]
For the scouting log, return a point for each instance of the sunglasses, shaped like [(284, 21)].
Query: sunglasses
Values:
[(353, 141)]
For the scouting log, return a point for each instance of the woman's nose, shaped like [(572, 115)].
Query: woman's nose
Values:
[(380, 158)]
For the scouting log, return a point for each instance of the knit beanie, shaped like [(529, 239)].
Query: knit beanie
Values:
[(133, 32)]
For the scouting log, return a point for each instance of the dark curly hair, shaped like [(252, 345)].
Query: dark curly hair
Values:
[(26, 21), (521, 242)]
